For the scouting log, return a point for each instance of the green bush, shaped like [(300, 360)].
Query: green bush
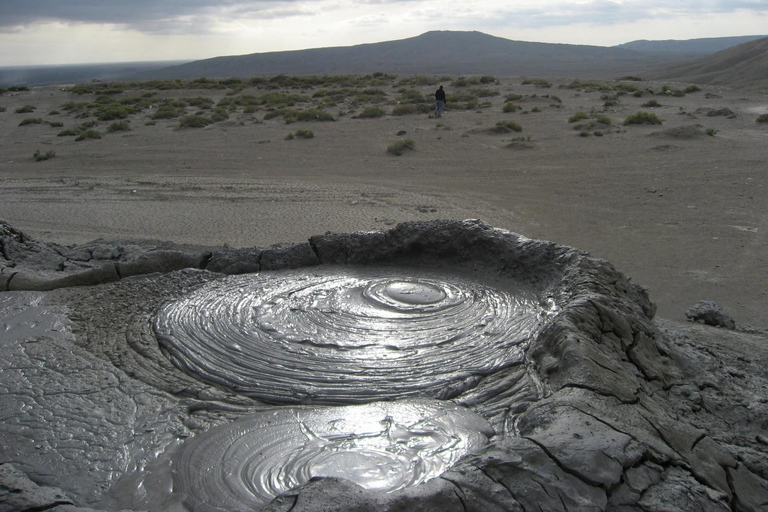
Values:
[(488, 79), (114, 112), (54, 113), (55, 124), (194, 122), (578, 116), (119, 126), (399, 146), (370, 112), (506, 127), (26, 109), (651, 104), (538, 82), (711, 132), (219, 115), (67, 133), (642, 118), (200, 102), (691, 88), (510, 107), (31, 120), (304, 134), (40, 156), (314, 114), (763, 118), (588, 85), (513, 97), (166, 113), (603, 119), (88, 134)]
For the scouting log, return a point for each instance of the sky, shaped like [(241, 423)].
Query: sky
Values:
[(40, 32)]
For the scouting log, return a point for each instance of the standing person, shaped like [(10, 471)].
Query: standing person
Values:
[(440, 102)]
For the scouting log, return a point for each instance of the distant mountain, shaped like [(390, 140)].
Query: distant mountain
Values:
[(439, 52), (74, 73), (744, 66), (689, 48)]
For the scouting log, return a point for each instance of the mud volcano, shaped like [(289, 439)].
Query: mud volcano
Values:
[(447, 366), (344, 335)]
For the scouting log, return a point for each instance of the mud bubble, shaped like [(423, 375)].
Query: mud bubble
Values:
[(385, 446)]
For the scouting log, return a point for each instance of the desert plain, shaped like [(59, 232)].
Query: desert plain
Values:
[(679, 206)]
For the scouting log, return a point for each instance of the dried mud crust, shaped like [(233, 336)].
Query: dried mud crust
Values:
[(609, 412)]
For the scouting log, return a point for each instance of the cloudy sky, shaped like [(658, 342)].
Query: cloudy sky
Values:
[(36, 32)]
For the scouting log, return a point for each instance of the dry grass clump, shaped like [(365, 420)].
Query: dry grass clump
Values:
[(578, 116), (39, 156), (26, 109), (31, 120), (399, 146), (762, 118), (300, 134), (642, 118), (119, 126), (88, 134), (371, 112), (651, 104), (194, 121)]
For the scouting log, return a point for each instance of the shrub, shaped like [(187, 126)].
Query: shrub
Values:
[(200, 102), (588, 85), (2, 109), (625, 88), (602, 119), (763, 118), (578, 116), (399, 146), (67, 133), (55, 124), (31, 120), (250, 109), (114, 112), (166, 113), (651, 104), (506, 127), (401, 110), (54, 113), (314, 114), (194, 122), (370, 112), (487, 79), (538, 82), (510, 107), (88, 134), (631, 78), (119, 126), (711, 132), (26, 109), (535, 109), (691, 88), (304, 134), (219, 115), (40, 156), (642, 118), (513, 97)]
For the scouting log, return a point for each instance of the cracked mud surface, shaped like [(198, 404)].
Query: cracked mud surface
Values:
[(605, 409)]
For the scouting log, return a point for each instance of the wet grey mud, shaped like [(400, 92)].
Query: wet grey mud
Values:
[(446, 366)]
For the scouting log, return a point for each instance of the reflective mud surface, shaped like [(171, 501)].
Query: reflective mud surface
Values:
[(385, 446), (343, 335)]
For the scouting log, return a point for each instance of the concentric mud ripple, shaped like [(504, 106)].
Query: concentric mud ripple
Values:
[(384, 446), (341, 335)]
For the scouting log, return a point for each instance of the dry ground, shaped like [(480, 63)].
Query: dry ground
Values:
[(686, 216)]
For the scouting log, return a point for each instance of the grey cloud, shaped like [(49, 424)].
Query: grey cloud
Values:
[(146, 15)]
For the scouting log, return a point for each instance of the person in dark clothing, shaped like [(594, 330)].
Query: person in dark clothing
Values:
[(440, 102)]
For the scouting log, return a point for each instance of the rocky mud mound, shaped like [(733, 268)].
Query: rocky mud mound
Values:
[(441, 365)]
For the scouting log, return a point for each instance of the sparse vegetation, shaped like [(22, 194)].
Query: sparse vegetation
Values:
[(39, 156), (510, 107), (578, 116), (691, 88), (762, 118), (26, 109), (119, 126), (642, 118), (651, 104), (304, 134), (194, 122), (399, 146), (506, 127), (537, 82), (588, 85), (31, 120), (371, 112), (54, 124), (711, 132), (2, 109), (88, 134), (631, 78)]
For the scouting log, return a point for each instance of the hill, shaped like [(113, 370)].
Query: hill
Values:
[(432, 53), (744, 67), (689, 48)]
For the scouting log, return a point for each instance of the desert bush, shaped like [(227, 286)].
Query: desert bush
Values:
[(465, 81), (513, 97), (166, 112), (304, 134), (26, 109), (631, 78), (510, 107), (588, 85), (371, 112), (250, 109), (603, 119), (405, 109), (88, 134), (678, 94), (651, 104), (314, 114), (114, 112), (31, 120), (67, 133), (538, 82), (762, 118), (219, 115), (200, 102), (535, 109), (485, 93), (194, 122), (39, 156), (412, 96), (488, 79), (399, 146), (691, 88), (711, 132), (2, 109), (119, 126), (507, 127), (54, 113), (625, 88), (55, 124), (578, 116), (75, 106), (642, 118)]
